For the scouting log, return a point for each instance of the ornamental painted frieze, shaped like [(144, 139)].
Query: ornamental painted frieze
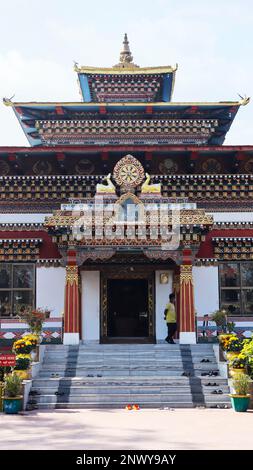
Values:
[(136, 131)]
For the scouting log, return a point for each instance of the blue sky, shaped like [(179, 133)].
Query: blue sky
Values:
[(211, 40)]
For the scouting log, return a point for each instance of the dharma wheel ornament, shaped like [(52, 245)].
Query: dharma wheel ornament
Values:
[(128, 172)]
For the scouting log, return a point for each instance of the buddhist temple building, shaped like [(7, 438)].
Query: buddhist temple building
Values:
[(117, 201)]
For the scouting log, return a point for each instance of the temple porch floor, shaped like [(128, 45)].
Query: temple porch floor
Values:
[(128, 430)]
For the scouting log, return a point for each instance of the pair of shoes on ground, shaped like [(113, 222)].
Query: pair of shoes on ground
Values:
[(212, 373), (205, 360), (217, 392), (90, 375), (211, 384), (170, 341), (222, 407)]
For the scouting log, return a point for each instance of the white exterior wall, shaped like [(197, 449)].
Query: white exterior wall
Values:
[(23, 218), (90, 305), (162, 292), (206, 289), (232, 216), (50, 287)]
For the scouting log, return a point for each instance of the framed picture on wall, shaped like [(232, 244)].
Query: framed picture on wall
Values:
[(164, 278)]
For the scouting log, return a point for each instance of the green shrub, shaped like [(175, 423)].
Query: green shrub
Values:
[(241, 384), (12, 386)]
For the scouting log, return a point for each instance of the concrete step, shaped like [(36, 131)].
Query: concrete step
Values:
[(113, 390), (126, 398), (112, 405), (150, 375), (128, 381)]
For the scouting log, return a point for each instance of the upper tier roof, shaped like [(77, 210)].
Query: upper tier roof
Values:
[(126, 81), (126, 123)]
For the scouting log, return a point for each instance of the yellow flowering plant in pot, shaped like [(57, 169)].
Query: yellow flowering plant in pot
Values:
[(237, 364), (22, 346), (22, 367), (33, 339)]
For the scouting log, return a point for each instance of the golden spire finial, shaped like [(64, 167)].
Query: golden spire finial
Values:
[(125, 58), (125, 55)]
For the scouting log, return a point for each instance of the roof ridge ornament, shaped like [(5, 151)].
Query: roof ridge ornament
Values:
[(126, 57), (244, 100), (8, 101)]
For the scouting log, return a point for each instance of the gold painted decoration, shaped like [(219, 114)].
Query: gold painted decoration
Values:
[(84, 167), (176, 283), (4, 168), (212, 166), (185, 274), (168, 166), (128, 172), (248, 167), (148, 188), (42, 167), (108, 188), (72, 276)]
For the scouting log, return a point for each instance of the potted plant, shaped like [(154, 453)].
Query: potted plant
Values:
[(34, 340), (230, 327), (12, 402), (22, 367), (34, 318), (220, 318), (240, 399), (231, 345), (22, 346), (234, 347), (237, 364)]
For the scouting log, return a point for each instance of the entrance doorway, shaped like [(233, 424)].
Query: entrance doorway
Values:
[(127, 315)]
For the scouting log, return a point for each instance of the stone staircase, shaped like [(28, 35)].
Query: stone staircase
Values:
[(112, 376)]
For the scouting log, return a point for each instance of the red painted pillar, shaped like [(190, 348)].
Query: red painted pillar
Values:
[(187, 330), (176, 290), (72, 324)]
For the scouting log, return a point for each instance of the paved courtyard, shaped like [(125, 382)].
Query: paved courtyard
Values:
[(120, 429)]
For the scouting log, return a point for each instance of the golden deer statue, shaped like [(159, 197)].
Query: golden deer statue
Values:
[(148, 188), (106, 188)]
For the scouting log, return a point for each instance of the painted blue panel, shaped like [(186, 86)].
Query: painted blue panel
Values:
[(167, 87), (83, 79)]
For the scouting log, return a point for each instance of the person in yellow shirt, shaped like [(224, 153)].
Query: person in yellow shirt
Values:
[(171, 319)]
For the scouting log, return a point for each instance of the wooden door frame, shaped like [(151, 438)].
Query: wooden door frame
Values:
[(124, 272)]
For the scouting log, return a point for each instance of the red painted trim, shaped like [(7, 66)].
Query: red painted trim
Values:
[(59, 110), (116, 148), (60, 156), (206, 249), (48, 249), (102, 110)]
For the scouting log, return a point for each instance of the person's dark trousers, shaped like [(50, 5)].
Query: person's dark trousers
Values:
[(172, 328)]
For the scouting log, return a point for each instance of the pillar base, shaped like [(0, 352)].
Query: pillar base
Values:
[(187, 337), (71, 339)]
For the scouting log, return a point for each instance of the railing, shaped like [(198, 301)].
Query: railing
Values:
[(12, 329)]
